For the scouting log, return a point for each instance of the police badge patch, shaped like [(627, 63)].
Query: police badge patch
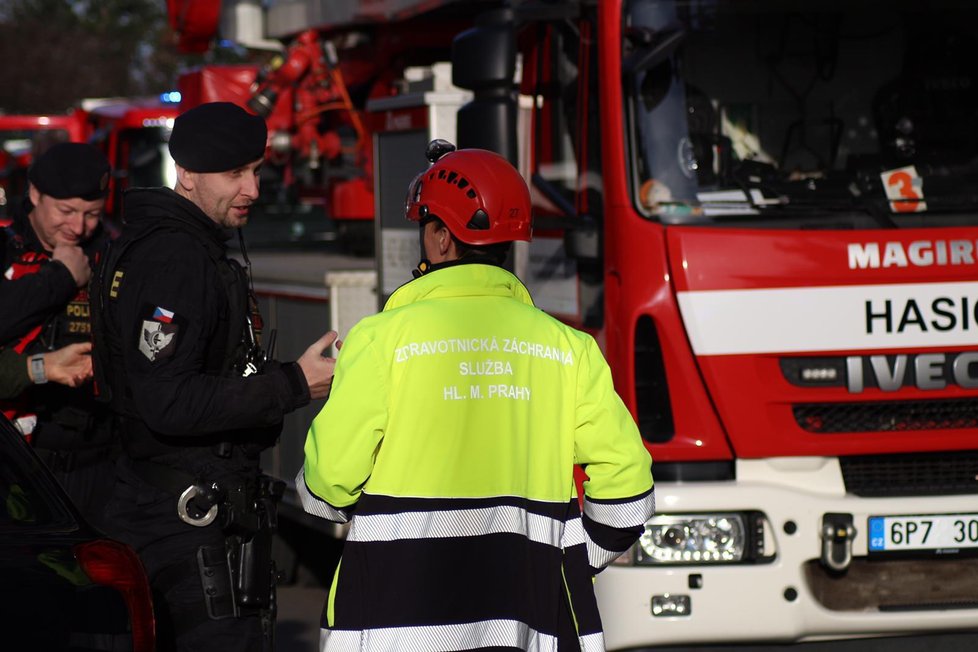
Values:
[(158, 340)]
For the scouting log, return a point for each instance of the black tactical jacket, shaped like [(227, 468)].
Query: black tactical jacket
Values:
[(171, 312)]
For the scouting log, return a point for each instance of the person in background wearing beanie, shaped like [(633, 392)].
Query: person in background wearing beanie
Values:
[(450, 440), (178, 356), (47, 250)]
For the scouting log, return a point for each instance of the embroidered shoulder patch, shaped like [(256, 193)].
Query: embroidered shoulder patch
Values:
[(158, 340)]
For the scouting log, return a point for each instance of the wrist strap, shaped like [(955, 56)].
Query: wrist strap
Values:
[(37, 369)]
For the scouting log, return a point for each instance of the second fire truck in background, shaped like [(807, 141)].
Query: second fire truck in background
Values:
[(132, 132)]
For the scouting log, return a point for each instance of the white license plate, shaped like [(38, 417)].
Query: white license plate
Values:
[(944, 532)]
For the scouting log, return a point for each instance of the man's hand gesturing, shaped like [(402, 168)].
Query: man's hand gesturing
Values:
[(318, 369)]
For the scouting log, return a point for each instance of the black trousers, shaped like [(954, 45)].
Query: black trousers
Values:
[(145, 517)]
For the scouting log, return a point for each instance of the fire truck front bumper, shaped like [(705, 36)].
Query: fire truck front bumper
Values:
[(784, 554)]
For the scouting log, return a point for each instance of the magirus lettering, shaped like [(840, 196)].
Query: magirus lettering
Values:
[(919, 253), (923, 370)]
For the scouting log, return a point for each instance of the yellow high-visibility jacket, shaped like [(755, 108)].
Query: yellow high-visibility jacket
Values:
[(450, 437)]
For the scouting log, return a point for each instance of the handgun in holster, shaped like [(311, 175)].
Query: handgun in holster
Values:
[(249, 525)]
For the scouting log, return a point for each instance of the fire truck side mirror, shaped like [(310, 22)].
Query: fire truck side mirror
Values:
[(583, 242), (582, 233), (484, 62)]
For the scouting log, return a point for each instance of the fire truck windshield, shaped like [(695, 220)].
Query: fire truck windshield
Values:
[(766, 110)]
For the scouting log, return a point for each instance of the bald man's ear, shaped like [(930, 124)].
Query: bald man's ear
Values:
[(446, 244), (185, 178)]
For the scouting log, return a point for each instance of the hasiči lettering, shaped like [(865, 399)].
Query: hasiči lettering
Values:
[(942, 314)]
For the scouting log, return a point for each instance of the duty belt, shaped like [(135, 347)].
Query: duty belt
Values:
[(205, 496)]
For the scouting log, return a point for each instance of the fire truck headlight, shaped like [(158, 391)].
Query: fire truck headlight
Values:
[(693, 539)]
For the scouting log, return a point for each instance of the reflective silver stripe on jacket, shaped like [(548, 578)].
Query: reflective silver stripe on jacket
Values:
[(592, 642), (598, 557), (621, 515), (444, 524), (315, 505), (464, 636)]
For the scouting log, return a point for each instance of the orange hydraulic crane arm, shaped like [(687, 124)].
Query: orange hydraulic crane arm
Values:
[(311, 73)]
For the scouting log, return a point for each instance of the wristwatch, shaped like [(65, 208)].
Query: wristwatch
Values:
[(37, 369)]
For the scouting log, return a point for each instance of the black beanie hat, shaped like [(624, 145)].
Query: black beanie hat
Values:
[(69, 170), (216, 137)]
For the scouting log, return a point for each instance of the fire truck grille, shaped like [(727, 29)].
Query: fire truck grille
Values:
[(887, 416), (911, 474)]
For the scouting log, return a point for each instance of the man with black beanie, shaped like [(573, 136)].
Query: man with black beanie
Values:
[(46, 252), (180, 360)]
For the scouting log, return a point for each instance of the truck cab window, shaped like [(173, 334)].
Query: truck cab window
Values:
[(562, 82), (791, 114)]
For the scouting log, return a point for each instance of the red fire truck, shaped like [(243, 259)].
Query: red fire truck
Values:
[(318, 162), (766, 213), (132, 132), (22, 137), (320, 154)]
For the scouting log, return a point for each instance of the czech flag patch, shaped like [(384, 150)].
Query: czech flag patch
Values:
[(163, 315)]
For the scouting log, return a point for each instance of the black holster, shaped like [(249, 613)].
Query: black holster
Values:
[(242, 569), (215, 579), (239, 578), (249, 517)]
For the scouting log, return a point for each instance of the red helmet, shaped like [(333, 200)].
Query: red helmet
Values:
[(479, 196)]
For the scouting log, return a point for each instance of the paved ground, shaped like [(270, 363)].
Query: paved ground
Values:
[(309, 556)]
